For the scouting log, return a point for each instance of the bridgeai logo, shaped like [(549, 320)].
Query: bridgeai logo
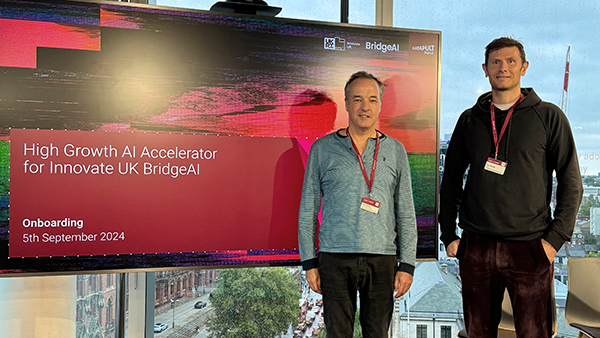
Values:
[(382, 46)]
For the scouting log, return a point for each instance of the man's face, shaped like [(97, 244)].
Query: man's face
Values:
[(363, 104), (505, 68)]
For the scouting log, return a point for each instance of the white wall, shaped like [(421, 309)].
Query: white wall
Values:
[(40, 307)]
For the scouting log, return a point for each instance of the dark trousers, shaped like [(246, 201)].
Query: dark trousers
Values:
[(487, 267), (342, 275)]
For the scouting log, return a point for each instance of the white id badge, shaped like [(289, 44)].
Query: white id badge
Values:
[(370, 205), (495, 166)]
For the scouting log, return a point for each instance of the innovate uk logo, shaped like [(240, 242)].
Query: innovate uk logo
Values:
[(335, 44)]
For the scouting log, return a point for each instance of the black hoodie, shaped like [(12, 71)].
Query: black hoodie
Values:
[(514, 206)]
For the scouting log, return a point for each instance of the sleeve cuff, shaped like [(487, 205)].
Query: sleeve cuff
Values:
[(314, 263), (404, 267), (310, 264), (555, 239), (447, 239)]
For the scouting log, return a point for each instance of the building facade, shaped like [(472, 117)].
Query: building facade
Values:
[(96, 306), (595, 221), (433, 305), (182, 284)]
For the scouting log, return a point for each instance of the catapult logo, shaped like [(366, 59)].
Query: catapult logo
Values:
[(427, 49), (382, 46), (423, 49)]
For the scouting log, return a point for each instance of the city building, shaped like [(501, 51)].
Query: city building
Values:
[(96, 301), (181, 284), (595, 221), (433, 305), (566, 252)]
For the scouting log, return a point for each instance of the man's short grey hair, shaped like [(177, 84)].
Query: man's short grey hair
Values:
[(363, 75)]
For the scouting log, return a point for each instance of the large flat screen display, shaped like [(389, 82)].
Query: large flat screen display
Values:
[(141, 137)]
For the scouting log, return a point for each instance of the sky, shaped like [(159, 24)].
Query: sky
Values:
[(467, 26), (557, 24)]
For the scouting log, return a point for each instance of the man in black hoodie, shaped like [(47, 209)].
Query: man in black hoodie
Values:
[(512, 142)]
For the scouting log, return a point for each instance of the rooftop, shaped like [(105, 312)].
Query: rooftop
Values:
[(435, 289)]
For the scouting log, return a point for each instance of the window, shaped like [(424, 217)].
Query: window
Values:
[(445, 331), (80, 286), (546, 38), (228, 290), (110, 316), (462, 81), (297, 9), (361, 12), (92, 281), (79, 311), (96, 302), (463, 51)]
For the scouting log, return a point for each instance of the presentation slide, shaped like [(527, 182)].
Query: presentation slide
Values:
[(95, 193), (142, 137)]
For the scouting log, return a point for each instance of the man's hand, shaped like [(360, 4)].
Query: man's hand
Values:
[(549, 250), (452, 248), (314, 280), (402, 283)]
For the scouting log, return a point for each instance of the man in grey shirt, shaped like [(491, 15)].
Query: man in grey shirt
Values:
[(368, 236)]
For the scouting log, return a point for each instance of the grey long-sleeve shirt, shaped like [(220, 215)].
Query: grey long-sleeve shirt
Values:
[(333, 177)]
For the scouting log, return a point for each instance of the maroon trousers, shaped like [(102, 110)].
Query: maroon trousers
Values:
[(487, 267)]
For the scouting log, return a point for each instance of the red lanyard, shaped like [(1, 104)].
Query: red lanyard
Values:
[(362, 165), (510, 111)]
